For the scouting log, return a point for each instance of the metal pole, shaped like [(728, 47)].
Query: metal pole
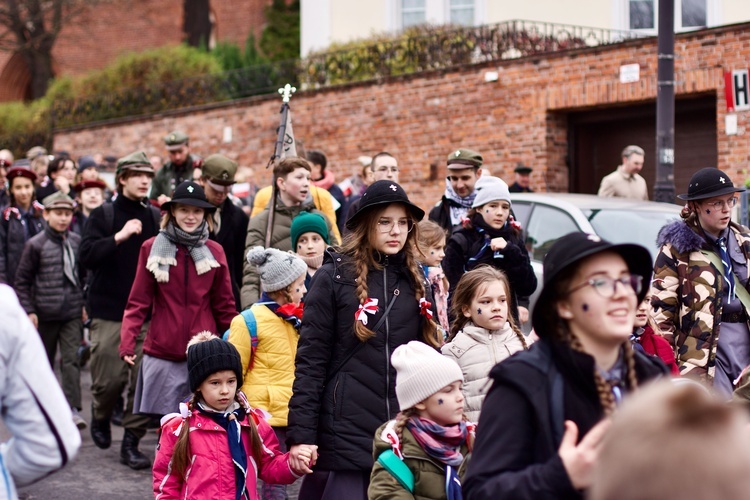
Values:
[(664, 189)]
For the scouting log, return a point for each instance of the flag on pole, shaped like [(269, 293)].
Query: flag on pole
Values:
[(288, 147)]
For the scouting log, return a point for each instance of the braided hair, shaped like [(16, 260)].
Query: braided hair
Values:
[(358, 246)]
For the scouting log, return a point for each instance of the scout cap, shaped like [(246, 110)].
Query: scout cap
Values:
[(464, 158), (88, 185), (522, 169), (189, 193), (175, 140), (379, 194), (134, 162), (58, 200), (219, 169), (707, 183)]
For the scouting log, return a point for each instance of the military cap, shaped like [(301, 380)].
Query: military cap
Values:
[(20, 171), (175, 140), (522, 169), (219, 169), (134, 162), (58, 200), (88, 185), (35, 152), (464, 158)]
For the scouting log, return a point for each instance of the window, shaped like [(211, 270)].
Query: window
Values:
[(643, 14), (413, 12), (547, 225), (462, 12)]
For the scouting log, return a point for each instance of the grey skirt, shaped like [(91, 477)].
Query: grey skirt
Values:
[(161, 386)]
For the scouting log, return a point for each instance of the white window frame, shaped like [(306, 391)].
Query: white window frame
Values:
[(436, 12), (621, 16)]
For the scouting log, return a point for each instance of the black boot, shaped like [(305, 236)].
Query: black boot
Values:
[(129, 454), (118, 412), (101, 431)]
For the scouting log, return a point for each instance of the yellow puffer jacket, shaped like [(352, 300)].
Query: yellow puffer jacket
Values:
[(269, 384), (322, 199)]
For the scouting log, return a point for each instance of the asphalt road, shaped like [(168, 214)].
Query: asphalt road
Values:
[(98, 474)]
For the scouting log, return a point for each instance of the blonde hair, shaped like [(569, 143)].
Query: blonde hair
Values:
[(359, 247), (469, 286)]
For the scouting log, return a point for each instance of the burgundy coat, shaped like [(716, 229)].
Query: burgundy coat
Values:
[(187, 304)]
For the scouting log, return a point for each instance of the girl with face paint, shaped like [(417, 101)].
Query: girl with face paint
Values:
[(569, 381), (268, 353), (491, 236), (700, 296), (483, 333)]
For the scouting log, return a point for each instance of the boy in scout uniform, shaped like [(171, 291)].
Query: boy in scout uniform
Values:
[(230, 221), (464, 168), (179, 168)]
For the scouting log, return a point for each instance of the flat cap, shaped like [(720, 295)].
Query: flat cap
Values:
[(58, 200), (464, 158), (219, 169), (522, 169)]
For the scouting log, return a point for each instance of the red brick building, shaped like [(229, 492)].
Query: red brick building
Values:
[(566, 114), (104, 31)]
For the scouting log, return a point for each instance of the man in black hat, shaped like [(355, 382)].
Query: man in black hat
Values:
[(178, 169), (229, 221), (464, 168), (111, 243), (523, 178), (700, 292)]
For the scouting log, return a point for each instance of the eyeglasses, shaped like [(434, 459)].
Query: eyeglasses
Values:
[(387, 225), (719, 205), (606, 286), (386, 169)]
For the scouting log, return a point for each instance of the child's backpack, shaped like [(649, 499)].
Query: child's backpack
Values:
[(252, 327), (393, 461)]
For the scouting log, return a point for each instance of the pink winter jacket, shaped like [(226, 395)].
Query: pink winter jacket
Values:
[(211, 473)]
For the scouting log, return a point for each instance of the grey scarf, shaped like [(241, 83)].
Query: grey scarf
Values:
[(164, 251)]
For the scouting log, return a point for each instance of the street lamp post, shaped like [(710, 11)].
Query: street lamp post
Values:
[(664, 189)]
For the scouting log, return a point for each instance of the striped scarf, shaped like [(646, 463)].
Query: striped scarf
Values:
[(441, 443)]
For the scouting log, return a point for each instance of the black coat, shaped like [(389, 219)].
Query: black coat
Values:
[(513, 260), (231, 237), (113, 266), (13, 238), (339, 405), (441, 213), (515, 453)]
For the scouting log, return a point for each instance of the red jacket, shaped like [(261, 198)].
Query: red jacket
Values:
[(187, 304), (657, 345), (211, 471)]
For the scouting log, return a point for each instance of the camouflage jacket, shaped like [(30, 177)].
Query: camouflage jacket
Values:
[(687, 295)]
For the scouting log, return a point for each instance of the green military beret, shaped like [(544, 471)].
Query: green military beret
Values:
[(219, 169), (175, 140), (58, 200), (135, 162), (463, 157)]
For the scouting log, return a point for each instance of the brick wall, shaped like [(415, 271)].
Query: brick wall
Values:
[(421, 118)]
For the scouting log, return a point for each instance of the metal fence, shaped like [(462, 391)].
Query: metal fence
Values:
[(437, 49)]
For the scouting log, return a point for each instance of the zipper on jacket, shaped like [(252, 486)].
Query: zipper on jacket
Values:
[(492, 350), (387, 346)]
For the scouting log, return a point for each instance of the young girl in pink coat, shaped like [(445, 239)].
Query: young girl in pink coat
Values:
[(217, 446)]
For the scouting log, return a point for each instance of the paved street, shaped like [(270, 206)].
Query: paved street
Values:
[(97, 474)]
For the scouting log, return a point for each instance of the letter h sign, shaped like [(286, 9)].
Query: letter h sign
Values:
[(737, 90)]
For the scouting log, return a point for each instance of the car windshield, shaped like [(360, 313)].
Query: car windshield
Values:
[(622, 226)]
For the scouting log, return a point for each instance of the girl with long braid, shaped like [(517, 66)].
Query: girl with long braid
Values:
[(217, 446), (483, 332), (362, 304), (549, 404)]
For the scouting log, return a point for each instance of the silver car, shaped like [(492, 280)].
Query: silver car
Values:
[(545, 217)]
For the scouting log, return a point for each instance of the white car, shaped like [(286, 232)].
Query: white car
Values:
[(545, 217)]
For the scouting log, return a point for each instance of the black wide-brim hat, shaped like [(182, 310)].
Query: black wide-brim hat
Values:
[(572, 249), (707, 183), (379, 194), (189, 193)]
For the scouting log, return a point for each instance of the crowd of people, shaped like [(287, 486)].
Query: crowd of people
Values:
[(338, 332)]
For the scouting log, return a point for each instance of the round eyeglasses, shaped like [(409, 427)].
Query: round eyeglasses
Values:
[(606, 286), (387, 225), (719, 205)]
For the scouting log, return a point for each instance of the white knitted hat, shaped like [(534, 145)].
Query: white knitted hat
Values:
[(277, 269), (489, 189), (421, 371)]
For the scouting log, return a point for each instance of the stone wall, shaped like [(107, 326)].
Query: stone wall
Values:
[(420, 119)]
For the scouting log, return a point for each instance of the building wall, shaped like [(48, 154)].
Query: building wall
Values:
[(522, 117)]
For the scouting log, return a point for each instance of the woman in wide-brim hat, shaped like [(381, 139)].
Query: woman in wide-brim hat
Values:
[(183, 282), (701, 283), (547, 404), (363, 303)]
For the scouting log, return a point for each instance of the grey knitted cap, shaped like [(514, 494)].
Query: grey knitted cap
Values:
[(277, 269)]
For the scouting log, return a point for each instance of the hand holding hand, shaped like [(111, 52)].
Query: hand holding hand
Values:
[(578, 459), (498, 243), (302, 457)]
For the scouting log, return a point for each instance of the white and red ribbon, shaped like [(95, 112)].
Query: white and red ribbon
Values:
[(425, 308), (369, 307)]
